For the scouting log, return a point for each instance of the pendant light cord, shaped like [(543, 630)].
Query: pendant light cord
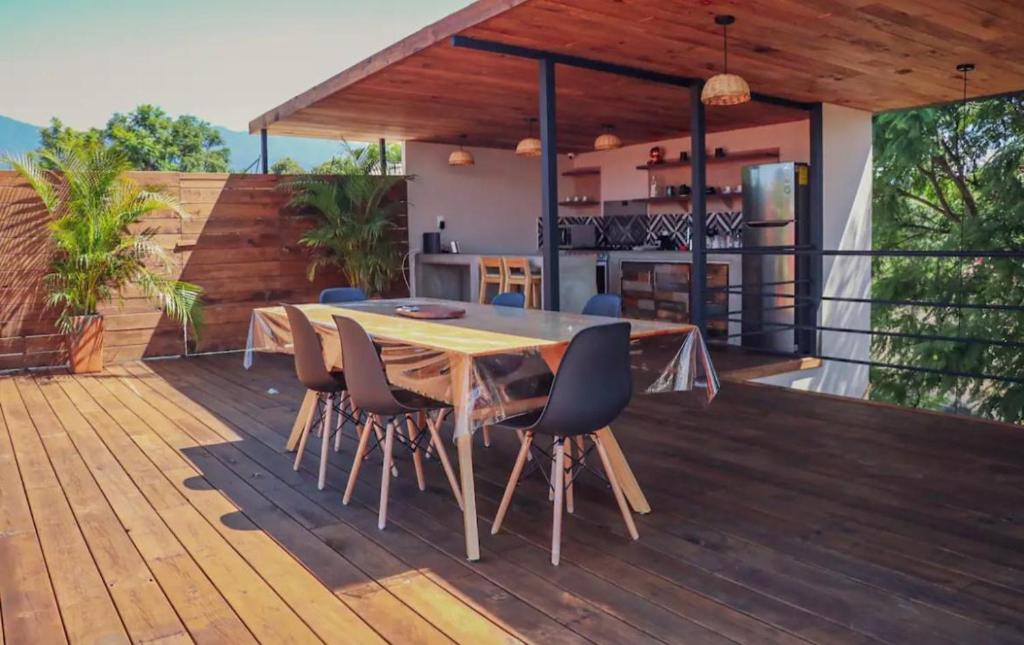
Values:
[(725, 49)]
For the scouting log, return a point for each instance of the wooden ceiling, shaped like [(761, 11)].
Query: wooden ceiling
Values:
[(870, 55)]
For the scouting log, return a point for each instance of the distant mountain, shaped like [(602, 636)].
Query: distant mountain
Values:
[(18, 137)]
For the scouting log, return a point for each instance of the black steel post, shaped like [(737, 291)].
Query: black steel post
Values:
[(549, 183), (264, 162), (698, 201), (810, 265), (383, 157)]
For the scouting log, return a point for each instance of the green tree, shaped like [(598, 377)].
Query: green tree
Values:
[(58, 136), (149, 139), (286, 166), (949, 178), (152, 140)]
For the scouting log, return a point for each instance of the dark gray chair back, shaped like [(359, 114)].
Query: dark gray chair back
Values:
[(309, 356), (593, 384), (368, 383), (509, 299), (341, 294), (604, 304)]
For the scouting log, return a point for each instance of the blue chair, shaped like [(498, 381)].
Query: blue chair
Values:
[(509, 299), (604, 304), (341, 294)]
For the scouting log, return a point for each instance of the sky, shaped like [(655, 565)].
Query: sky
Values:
[(226, 61)]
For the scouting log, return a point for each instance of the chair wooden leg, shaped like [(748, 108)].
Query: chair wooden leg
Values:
[(522, 438), (513, 481), (551, 476), (570, 504), (487, 436), (559, 485), (385, 475), (442, 454), (357, 462), (620, 499), (325, 441), (412, 432), (339, 423), (305, 433), (581, 448)]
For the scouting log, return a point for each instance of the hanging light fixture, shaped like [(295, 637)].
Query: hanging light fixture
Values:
[(725, 88), (461, 156), (607, 140), (530, 146)]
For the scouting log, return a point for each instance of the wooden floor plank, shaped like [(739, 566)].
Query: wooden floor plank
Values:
[(667, 626), (193, 459), (588, 620), (778, 517), (28, 606), (86, 607), (265, 614), (463, 623), (144, 609), (205, 613)]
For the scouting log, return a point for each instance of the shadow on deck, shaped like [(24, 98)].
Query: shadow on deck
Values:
[(778, 516)]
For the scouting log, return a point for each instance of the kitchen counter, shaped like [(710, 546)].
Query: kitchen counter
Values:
[(456, 276)]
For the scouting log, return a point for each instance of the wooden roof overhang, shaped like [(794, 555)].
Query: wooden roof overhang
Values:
[(870, 55)]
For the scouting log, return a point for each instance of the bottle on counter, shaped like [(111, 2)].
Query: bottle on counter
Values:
[(655, 186)]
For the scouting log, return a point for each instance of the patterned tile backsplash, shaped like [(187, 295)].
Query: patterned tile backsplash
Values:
[(635, 230)]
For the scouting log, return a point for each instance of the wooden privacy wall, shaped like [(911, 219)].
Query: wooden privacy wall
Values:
[(239, 242)]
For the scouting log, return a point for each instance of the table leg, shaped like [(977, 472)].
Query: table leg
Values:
[(300, 421), (460, 368), (623, 473)]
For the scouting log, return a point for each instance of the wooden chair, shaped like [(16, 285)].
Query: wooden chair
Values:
[(492, 274), (519, 277)]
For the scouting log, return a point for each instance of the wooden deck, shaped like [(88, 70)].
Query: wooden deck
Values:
[(154, 503)]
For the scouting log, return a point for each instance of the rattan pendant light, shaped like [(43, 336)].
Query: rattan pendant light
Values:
[(530, 146), (607, 140), (461, 156), (725, 88)]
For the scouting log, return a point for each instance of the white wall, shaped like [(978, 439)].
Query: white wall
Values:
[(847, 226), (490, 207), (620, 180)]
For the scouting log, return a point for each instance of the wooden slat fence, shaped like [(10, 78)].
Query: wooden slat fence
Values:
[(239, 242)]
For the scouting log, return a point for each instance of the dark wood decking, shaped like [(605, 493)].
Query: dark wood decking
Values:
[(154, 502)]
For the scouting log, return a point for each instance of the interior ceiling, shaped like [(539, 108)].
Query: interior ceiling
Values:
[(869, 55)]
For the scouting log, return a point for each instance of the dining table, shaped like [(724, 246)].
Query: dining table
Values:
[(490, 363)]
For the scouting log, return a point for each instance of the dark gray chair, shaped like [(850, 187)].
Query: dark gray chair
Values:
[(341, 294), (604, 304), (509, 299), (596, 361), (329, 387), (371, 393)]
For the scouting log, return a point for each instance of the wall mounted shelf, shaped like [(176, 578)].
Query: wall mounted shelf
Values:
[(764, 154), (582, 171)]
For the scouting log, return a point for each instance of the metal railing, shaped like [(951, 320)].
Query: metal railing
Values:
[(807, 308)]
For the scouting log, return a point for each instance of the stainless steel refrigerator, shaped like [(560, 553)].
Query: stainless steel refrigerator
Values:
[(776, 203)]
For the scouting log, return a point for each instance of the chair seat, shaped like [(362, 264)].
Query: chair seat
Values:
[(414, 401), (336, 383), (523, 421)]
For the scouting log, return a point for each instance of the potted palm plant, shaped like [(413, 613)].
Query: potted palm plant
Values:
[(93, 205), (355, 224)]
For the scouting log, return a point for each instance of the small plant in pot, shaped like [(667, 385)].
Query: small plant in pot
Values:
[(93, 205), (355, 226)]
